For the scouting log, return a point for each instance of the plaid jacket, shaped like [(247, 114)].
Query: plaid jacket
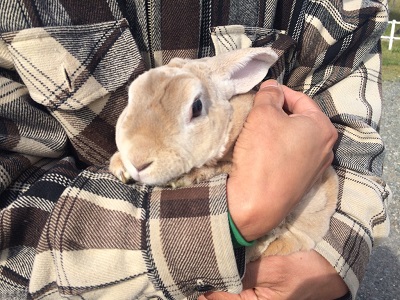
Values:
[(68, 228)]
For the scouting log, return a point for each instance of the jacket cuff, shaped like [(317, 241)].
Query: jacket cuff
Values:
[(189, 241)]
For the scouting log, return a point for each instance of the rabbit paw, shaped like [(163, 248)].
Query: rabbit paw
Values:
[(288, 243), (279, 247), (180, 182), (193, 177), (117, 168), (198, 175)]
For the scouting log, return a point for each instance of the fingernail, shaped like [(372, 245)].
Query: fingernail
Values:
[(269, 83)]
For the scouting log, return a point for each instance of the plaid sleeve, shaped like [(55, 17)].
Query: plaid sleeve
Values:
[(79, 232), (133, 242), (361, 217), (20, 145), (342, 74), (340, 70), (65, 60), (71, 72), (69, 233)]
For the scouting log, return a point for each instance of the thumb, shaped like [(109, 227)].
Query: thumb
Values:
[(297, 102), (251, 277), (270, 93)]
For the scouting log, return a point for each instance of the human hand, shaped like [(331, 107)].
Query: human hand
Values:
[(301, 275), (285, 145)]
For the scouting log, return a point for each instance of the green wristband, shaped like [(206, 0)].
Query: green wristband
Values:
[(237, 239)]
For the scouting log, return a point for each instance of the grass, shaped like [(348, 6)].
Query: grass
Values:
[(391, 59), (394, 10)]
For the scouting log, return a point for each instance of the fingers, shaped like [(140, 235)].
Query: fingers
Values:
[(280, 96), (297, 102), (249, 294), (270, 143), (257, 274), (270, 93), (251, 277)]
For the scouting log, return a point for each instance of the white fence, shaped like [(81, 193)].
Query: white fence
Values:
[(391, 38)]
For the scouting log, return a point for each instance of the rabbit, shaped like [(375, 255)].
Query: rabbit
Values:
[(181, 123)]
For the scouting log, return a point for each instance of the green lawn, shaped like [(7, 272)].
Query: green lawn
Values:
[(391, 59), (394, 10)]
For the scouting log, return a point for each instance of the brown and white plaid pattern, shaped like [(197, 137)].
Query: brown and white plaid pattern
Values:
[(69, 228)]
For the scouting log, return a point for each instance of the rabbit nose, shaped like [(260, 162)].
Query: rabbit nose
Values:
[(144, 166)]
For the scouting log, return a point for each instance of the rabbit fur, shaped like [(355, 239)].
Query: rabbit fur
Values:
[(179, 128)]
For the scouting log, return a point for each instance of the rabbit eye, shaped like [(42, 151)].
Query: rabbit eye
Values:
[(197, 107)]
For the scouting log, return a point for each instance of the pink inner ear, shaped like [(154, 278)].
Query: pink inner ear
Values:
[(249, 75)]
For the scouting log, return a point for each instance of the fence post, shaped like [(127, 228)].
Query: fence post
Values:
[(392, 34)]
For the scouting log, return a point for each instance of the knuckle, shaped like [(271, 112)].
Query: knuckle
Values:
[(331, 156), (269, 91), (269, 94), (333, 135)]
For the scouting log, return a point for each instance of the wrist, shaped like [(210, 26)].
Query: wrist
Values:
[(248, 211), (259, 202), (237, 239)]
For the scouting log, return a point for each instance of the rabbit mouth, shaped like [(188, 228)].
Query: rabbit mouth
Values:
[(153, 173)]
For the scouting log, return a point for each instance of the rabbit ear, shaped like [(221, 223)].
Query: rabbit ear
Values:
[(245, 68)]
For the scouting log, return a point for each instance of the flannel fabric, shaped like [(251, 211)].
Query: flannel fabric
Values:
[(68, 228)]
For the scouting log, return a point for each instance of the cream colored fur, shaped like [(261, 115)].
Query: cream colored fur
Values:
[(159, 143)]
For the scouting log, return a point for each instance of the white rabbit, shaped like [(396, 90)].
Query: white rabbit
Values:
[(181, 123)]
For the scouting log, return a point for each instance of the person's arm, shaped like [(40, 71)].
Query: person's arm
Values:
[(297, 275), (173, 242), (354, 106), (79, 231), (67, 225), (82, 232), (361, 218), (341, 72), (295, 150), (23, 124), (130, 239), (338, 263)]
